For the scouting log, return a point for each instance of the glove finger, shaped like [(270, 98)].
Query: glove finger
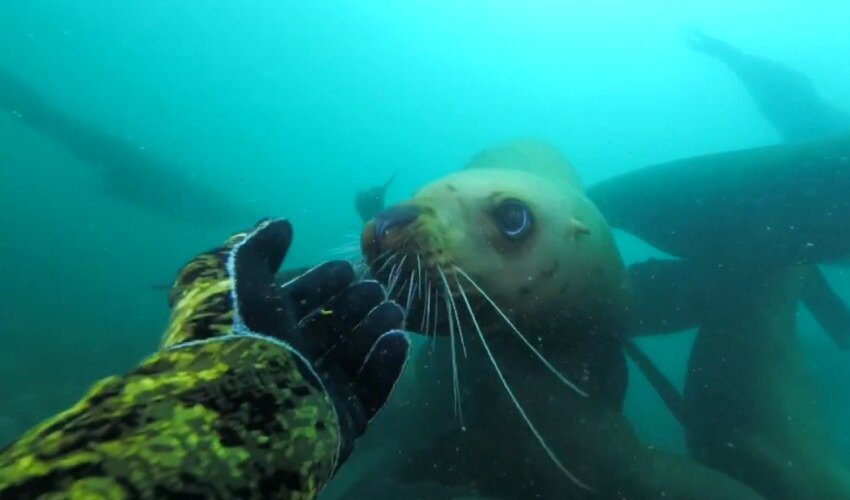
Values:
[(264, 248), (268, 241), (383, 318), (380, 371), (356, 346), (347, 310), (387, 316), (314, 288), (255, 260), (332, 325)]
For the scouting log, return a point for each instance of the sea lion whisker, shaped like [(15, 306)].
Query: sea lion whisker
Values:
[(391, 253), (384, 254), (360, 269), (453, 310), (396, 296), (512, 396), (409, 300), (455, 377), (436, 313), (419, 272), (343, 252), (394, 280), (522, 337), (346, 248), (390, 277), (459, 328), (426, 316), (384, 265), (400, 268), (350, 240)]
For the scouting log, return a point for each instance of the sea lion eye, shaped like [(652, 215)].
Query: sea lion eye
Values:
[(513, 218)]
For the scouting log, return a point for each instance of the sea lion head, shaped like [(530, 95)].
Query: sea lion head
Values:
[(514, 231)]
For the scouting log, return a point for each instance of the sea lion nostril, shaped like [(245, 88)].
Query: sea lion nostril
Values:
[(394, 218)]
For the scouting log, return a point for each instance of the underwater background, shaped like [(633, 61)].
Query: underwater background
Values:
[(288, 108)]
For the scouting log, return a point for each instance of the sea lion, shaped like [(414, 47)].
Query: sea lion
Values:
[(748, 406), (368, 202), (768, 207), (517, 271), (785, 97), (747, 387), (750, 228), (126, 171), (765, 208)]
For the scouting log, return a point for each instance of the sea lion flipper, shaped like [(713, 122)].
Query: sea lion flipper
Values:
[(390, 180), (826, 306), (369, 202), (669, 296), (672, 398)]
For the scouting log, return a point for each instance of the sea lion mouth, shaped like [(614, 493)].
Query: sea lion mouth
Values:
[(404, 251)]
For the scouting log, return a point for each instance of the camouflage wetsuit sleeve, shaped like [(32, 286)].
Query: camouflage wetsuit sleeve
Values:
[(201, 415), (216, 413)]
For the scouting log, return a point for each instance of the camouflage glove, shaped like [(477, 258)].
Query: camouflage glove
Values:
[(258, 391), (347, 335)]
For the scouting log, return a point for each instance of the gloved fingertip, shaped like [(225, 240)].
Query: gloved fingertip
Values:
[(378, 288), (388, 353), (386, 316), (268, 243), (381, 369), (333, 275), (316, 286), (352, 306), (395, 343), (382, 324), (341, 270)]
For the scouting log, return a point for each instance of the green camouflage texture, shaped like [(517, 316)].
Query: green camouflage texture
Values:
[(213, 414)]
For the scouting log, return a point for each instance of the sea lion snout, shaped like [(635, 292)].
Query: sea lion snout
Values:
[(394, 218)]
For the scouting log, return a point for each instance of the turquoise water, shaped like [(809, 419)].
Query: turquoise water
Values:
[(288, 108)]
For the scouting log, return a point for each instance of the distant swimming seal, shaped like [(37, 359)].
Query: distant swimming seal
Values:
[(368, 202), (513, 242), (786, 98)]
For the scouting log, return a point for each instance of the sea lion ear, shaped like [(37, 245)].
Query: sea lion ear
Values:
[(576, 229)]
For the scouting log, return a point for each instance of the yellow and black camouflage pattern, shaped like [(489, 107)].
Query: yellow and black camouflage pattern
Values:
[(201, 297), (213, 414)]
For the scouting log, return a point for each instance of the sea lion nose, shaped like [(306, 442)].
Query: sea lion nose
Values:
[(395, 217)]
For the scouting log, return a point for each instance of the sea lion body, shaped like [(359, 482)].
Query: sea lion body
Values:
[(750, 227), (769, 207), (563, 286), (754, 412)]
